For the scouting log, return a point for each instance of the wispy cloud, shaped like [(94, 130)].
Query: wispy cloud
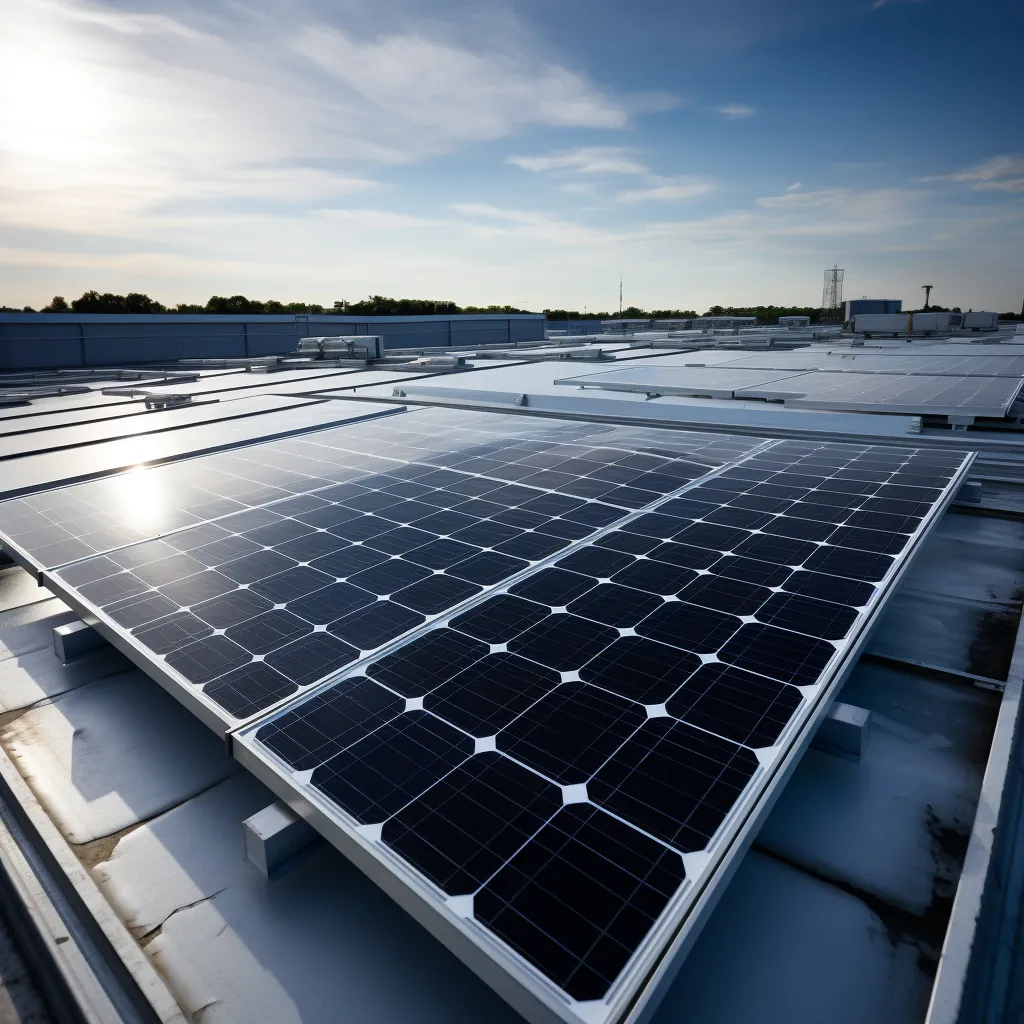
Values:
[(736, 111), (430, 85), (588, 160), (997, 174), (877, 4), (672, 190), (615, 161)]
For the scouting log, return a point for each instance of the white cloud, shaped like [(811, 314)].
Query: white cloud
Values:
[(532, 225), (796, 185), (619, 161), (1002, 185), (454, 94), (736, 111), (997, 174), (385, 220), (668, 190), (588, 160)]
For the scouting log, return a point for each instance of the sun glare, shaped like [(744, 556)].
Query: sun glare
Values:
[(54, 103)]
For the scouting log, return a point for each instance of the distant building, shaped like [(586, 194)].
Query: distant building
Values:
[(723, 323), (855, 306)]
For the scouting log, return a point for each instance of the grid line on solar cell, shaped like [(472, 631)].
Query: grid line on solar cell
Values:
[(654, 719)]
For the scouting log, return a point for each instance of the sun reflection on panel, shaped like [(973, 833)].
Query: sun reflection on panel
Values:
[(140, 498)]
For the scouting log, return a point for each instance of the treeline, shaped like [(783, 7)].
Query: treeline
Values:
[(766, 314), (382, 305), (374, 305), (629, 313)]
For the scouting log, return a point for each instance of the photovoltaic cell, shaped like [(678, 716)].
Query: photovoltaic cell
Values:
[(597, 721)]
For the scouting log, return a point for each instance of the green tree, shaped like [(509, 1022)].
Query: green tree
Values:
[(234, 305), (381, 305), (58, 304), (108, 302)]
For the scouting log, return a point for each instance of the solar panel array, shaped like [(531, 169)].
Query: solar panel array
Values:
[(269, 568), (553, 766)]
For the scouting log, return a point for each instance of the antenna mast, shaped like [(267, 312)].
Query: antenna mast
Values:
[(620, 296)]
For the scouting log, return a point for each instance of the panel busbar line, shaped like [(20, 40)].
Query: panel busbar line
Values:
[(386, 526), (548, 776)]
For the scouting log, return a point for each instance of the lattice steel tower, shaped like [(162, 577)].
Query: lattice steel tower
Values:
[(832, 296)]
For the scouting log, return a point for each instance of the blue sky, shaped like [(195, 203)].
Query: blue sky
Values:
[(528, 151)]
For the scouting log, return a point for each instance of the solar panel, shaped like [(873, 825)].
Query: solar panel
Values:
[(868, 392), (264, 570), (934, 364), (973, 396), (686, 381), (550, 775)]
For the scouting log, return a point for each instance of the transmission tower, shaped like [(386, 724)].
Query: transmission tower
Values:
[(927, 294), (832, 296)]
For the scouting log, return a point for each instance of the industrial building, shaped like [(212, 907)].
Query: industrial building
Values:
[(36, 340), (662, 675)]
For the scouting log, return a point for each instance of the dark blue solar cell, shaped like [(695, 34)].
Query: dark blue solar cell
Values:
[(207, 659), (486, 568), (571, 732), (329, 722), (499, 619), (439, 554), (692, 628), (389, 576), (462, 829), (435, 594), (490, 693), (249, 689), (311, 658), (640, 669), (428, 661), (291, 584), (738, 705), (375, 624), (578, 899), (268, 631), (673, 781), (379, 774), (778, 653), (562, 642)]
